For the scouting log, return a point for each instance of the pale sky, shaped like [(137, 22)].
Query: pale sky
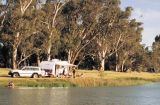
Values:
[(148, 12)]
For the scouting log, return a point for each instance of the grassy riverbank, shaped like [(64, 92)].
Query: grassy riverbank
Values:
[(89, 79)]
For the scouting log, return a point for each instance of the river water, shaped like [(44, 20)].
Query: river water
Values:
[(131, 95)]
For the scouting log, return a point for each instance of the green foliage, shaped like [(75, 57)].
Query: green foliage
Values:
[(155, 54), (92, 33)]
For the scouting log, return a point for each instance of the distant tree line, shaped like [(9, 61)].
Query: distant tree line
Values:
[(93, 34)]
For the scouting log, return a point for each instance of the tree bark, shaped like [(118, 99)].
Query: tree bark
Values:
[(24, 59), (15, 47), (14, 58), (122, 68), (49, 47), (38, 60), (69, 56), (117, 62), (102, 60), (102, 66), (57, 6), (24, 5)]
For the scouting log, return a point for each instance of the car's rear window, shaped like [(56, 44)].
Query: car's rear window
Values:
[(34, 69)]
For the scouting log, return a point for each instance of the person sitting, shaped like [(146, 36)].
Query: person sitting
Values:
[(11, 84)]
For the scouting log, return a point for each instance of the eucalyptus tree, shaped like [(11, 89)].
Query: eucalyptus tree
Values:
[(79, 30), (126, 36), (3, 10), (120, 35), (107, 20), (115, 31), (129, 46), (19, 25), (155, 56), (4, 49), (50, 22)]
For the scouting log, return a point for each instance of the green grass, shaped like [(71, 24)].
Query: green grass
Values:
[(98, 82), (41, 82), (89, 79), (78, 82)]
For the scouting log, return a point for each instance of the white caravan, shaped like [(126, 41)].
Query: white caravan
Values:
[(55, 67)]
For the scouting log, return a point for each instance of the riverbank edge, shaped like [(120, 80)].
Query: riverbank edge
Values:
[(90, 78), (77, 82)]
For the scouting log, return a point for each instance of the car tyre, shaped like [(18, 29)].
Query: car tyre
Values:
[(35, 75), (14, 75)]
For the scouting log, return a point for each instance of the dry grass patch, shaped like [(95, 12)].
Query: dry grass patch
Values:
[(115, 75), (4, 71)]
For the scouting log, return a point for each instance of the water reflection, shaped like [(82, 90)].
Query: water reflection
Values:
[(37, 97), (137, 95)]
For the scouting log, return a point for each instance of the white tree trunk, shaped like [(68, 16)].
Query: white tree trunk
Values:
[(102, 59), (117, 62), (38, 60), (15, 47), (116, 67), (57, 6), (102, 64), (122, 69), (123, 62), (49, 54), (14, 58), (49, 47)]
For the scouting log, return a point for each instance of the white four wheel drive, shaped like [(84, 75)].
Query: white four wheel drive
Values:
[(27, 71)]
